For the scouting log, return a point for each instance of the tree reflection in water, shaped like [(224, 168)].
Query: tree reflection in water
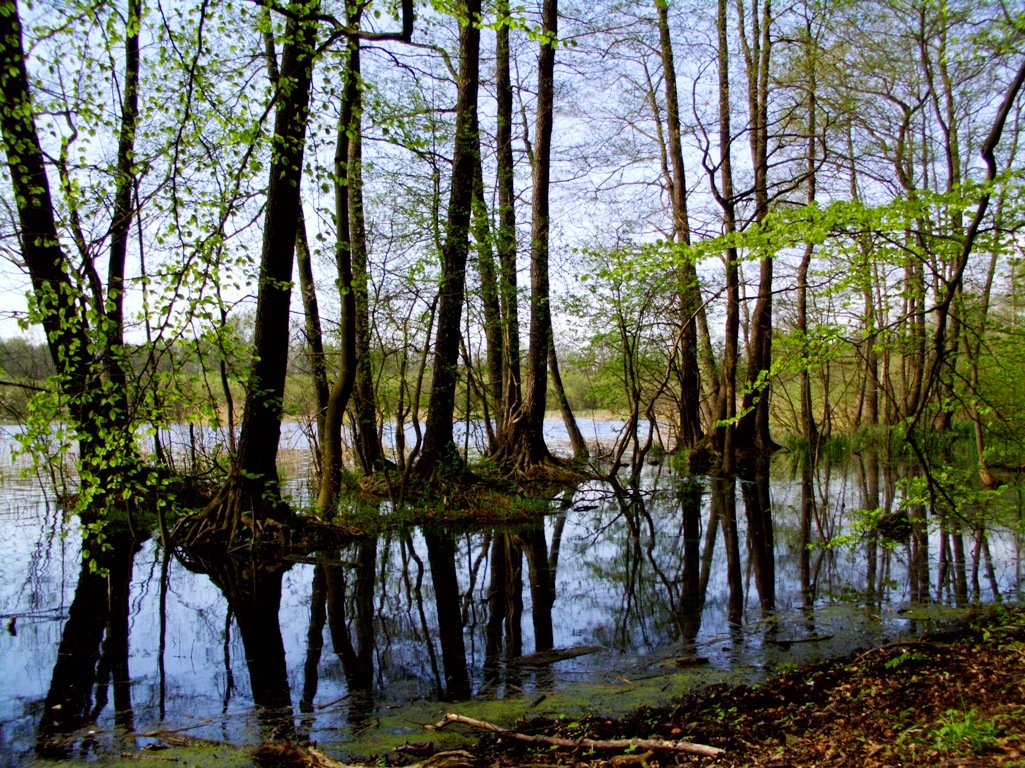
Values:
[(668, 569), (351, 620), (93, 652), (252, 590), (441, 553)]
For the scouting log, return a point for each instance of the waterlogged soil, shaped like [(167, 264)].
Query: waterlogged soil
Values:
[(949, 698)]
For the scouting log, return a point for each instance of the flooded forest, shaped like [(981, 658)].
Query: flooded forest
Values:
[(362, 360)]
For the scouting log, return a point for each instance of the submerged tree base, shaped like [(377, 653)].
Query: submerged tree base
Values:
[(484, 496), (244, 510)]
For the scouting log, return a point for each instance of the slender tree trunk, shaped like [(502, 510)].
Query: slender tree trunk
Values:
[(753, 426), (314, 332), (439, 452), (367, 444), (576, 439), (723, 439), (524, 446), (689, 297), (490, 298), (809, 428), (341, 390), (121, 223), (505, 240)]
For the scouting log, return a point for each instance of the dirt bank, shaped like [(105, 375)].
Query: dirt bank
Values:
[(956, 699)]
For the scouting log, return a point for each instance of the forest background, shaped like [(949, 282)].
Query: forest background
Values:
[(765, 223)]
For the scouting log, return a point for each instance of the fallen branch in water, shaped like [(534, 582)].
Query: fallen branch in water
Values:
[(558, 741)]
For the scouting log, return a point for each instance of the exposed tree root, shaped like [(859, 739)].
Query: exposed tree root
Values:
[(244, 511)]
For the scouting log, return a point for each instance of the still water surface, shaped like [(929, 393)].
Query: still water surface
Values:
[(684, 582)]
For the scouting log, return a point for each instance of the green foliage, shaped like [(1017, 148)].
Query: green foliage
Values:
[(965, 732), (903, 658)]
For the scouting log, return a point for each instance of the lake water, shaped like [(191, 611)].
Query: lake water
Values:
[(681, 583)]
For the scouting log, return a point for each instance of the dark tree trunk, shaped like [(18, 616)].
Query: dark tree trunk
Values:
[(505, 240), (490, 299), (121, 223), (576, 438), (96, 390), (523, 446), (341, 391), (753, 427), (722, 442), (809, 428), (368, 446), (689, 298), (252, 484), (314, 332), (439, 453)]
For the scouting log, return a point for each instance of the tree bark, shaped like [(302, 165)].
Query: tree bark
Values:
[(753, 427), (576, 438), (368, 446), (97, 407), (808, 425), (506, 236), (490, 299), (252, 483), (439, 453), (341, 390), (524, 446), (689, 297)]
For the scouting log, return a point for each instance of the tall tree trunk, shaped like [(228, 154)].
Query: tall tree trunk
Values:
[(252, 483), (439, 452), (524, 445), (490, 299), (576, 438), (722, 441), (341, 390), (505, 240), (97, 406), (314, 332), (689, 297), (753, 426), (121, 223), (808, 426), (367, 444)]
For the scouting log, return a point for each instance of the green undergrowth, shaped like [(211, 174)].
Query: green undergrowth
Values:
[(377, 502)]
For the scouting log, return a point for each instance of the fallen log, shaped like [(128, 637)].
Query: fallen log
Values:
[(559, 741), (544, 658)]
